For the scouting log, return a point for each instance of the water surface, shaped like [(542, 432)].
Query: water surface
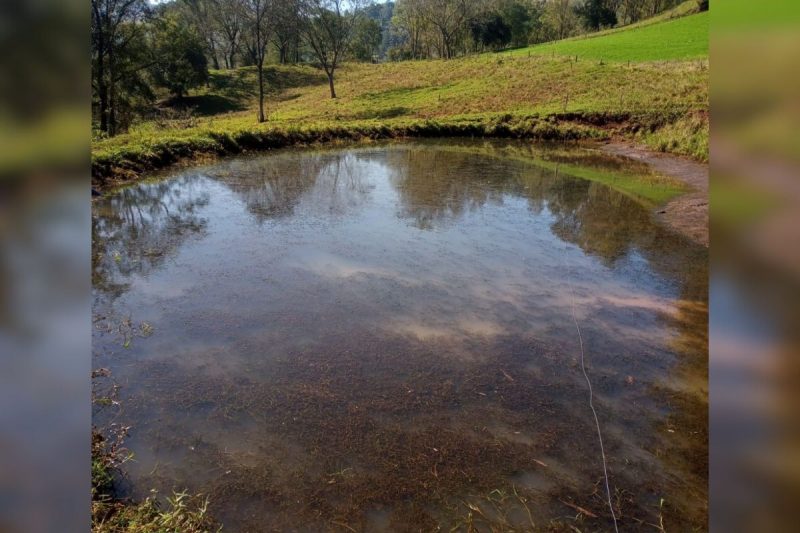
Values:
[(382, 338)]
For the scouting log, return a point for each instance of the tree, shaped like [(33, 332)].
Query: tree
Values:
[(117, 54), (285, 34), (366, 40), (490, 30), (259, 16), (382, 14), (228, 17), (450, 18), (327, 28), (410, 28), (181, 62), (631, 10), (520, 18), (597, 14), (541, 29), (561, 15), (202, 15)]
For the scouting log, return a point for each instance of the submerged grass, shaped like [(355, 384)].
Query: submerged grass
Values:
[(648, 188), (179, 513), (636, 180), (540, 93), (356, 442)]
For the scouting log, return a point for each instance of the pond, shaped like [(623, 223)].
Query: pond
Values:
[(383, 338)]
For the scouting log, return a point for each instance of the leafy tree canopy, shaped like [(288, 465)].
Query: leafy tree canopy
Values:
[(180, 59)]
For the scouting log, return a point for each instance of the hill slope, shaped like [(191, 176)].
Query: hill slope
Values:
[(535, 93), (682, 38)]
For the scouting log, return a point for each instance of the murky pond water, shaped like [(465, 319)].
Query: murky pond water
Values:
[(381, 338)]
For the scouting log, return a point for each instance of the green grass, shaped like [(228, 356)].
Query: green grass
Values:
[(679, 39), (179, 513), (689, 7), (511, 94), (686, 136)]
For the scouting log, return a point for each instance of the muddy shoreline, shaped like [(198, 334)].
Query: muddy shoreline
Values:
[(688, 213)]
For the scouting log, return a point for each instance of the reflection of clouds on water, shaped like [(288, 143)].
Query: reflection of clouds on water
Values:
[(332, 266), (459, 328)]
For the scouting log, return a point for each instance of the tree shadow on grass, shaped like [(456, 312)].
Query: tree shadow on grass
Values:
[(279, 79), (205, 104), (407, 92), (241, 85), (234, 84), (391, 112), (235, 90)]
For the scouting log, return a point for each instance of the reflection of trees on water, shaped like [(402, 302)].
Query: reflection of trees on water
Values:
[(437, 186), (274, 187), (602, 222), (136, 229), (269, 187), (342, 184)]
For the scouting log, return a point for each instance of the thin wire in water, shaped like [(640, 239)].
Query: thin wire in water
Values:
[(591, 404)]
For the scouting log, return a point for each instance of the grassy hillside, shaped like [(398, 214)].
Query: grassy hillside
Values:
[(538, 93), (682, 38)]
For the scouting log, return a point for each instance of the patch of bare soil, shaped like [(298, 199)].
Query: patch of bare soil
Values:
[(688, 213)]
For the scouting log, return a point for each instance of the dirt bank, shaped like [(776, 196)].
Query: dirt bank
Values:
[(688, 213)]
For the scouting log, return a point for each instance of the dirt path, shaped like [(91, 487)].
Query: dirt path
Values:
[(688, 213)]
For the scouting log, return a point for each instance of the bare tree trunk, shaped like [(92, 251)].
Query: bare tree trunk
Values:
[(102, 90), (102, 93), (112, 116), (261, 117), (103, 97), (213, 49), (330, 82)]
